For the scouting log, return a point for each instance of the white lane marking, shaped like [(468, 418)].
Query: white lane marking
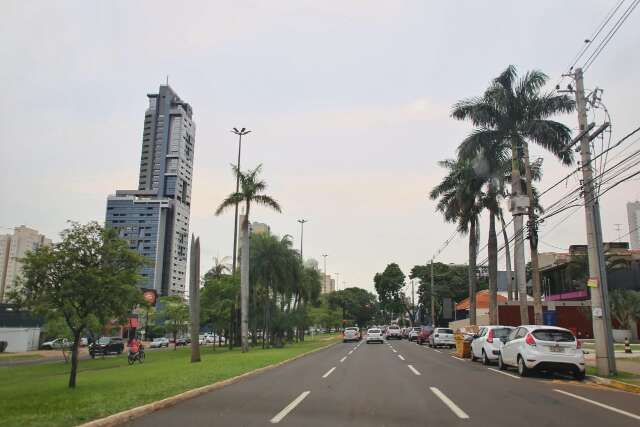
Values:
[(351, 352), (504, 373), (602, 405), (458, 358), (400, 357), (329, 372), (342, 360), (414, 370), (289, 408), (454, 408), (394, 350), (437, 350)]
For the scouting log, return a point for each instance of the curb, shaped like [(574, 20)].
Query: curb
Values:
[(130, 414), (618, 385)]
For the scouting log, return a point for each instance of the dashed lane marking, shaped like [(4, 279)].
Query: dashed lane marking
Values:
[(400, 357), (329, 372), (290, 407), (414, 370), (454, 408), (342, 360)]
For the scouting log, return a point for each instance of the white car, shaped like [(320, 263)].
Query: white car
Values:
[(159, 342), (413, 333), (374, 335), (351, 334), (393, 332), (486, 345), (546, 348), (442, 337), (56, 344)]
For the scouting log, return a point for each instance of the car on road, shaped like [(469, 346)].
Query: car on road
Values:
[(543, 348), (374, 335), (56, 344), (413, 333), (442, 337), (405, 333), (106, 345), (351, 334), (393, 333), (424, 334), (182, 341), (488, 342), (159, 342)]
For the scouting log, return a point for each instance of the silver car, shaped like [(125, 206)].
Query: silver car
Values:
[(375, 335), (351, 334)]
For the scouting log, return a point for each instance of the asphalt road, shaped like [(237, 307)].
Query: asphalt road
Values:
[(399, 384)]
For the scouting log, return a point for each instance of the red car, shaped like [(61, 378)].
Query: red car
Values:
[(424, 334)]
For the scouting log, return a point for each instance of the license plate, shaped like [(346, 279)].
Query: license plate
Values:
[(556, 349)]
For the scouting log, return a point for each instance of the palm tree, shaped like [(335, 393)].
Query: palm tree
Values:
[(511, 113), (251, 189), (460, 194), (220, 267)]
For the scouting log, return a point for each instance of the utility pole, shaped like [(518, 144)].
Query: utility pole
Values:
[(240, 133), (605, 356), (302, 221), (433, 299), (325, 271), (533, 241)]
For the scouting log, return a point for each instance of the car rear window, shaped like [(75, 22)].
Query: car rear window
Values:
[(553, 335), (501, 332), (417, 329), (445, 331), (351, 329), (394, 327), (374, 331)]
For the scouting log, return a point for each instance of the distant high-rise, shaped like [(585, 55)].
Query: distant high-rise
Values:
[(155, 217), (13, 248), (633, 214)]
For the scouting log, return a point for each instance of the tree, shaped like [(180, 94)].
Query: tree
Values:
[(513, 113), (461, 201), (251, 189), (217, 300), (388, 285), (625, 307), (176, 315), (91, 274), (357, 305), (220, 267), (449, 281)]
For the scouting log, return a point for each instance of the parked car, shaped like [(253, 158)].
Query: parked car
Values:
[(374, 335), (413, 333), (159, 342), (181, 341), (442, 337), (544, 348), (107, 345), (393, 332), (405, 333), (351, 334), (84, 342), (486, 345), (56, 344), (424, 334)]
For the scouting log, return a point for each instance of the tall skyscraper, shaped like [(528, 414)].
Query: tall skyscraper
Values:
[(633, 214), (155, 217), (13, 248)]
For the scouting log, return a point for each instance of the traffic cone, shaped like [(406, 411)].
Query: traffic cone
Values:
[(627, 346)]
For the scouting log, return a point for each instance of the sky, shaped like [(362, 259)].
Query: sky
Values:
[(348, 102)]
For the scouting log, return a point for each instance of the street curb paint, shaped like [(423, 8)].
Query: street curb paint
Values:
[(618, 385), (130, 414)]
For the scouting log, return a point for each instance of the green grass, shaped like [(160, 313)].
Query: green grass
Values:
[(37, 395), (626, 377), (8, 356)]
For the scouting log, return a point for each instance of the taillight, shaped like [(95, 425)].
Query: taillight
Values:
[(529, 340), (490, 336)]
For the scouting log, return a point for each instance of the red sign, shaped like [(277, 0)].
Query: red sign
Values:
[(150, 296)]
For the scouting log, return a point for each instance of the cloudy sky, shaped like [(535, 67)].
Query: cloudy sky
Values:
[(348, 102)]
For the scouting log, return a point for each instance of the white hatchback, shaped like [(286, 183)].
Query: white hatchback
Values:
[(546, 348), (486, 345), (374, 335), (442, 336)]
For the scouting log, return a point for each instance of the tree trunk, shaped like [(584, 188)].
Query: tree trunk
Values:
[(518, 248), (194, 298), (507, 252), (473, 247), (533, 243), (175, 340), (74, 358), (232, 314), (492, 249), (244, 284)]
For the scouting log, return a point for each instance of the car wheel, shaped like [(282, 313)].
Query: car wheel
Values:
[(485, 359), (501, 364), (579, 375), (523, 371), (473, 356)]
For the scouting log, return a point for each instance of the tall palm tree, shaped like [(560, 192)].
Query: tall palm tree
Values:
[(251, 189), (460, 194), (513, 112), (220, 266)]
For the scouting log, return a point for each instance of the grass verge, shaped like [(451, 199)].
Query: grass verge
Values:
[(623, 376), (7, 357), (37, 395)]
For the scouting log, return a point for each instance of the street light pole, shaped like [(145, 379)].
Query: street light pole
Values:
[(302, 221), (433, 300), (240, 133), (325, 271)]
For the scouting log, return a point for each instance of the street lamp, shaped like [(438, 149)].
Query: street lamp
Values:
[(302, 221), (240, 133)]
